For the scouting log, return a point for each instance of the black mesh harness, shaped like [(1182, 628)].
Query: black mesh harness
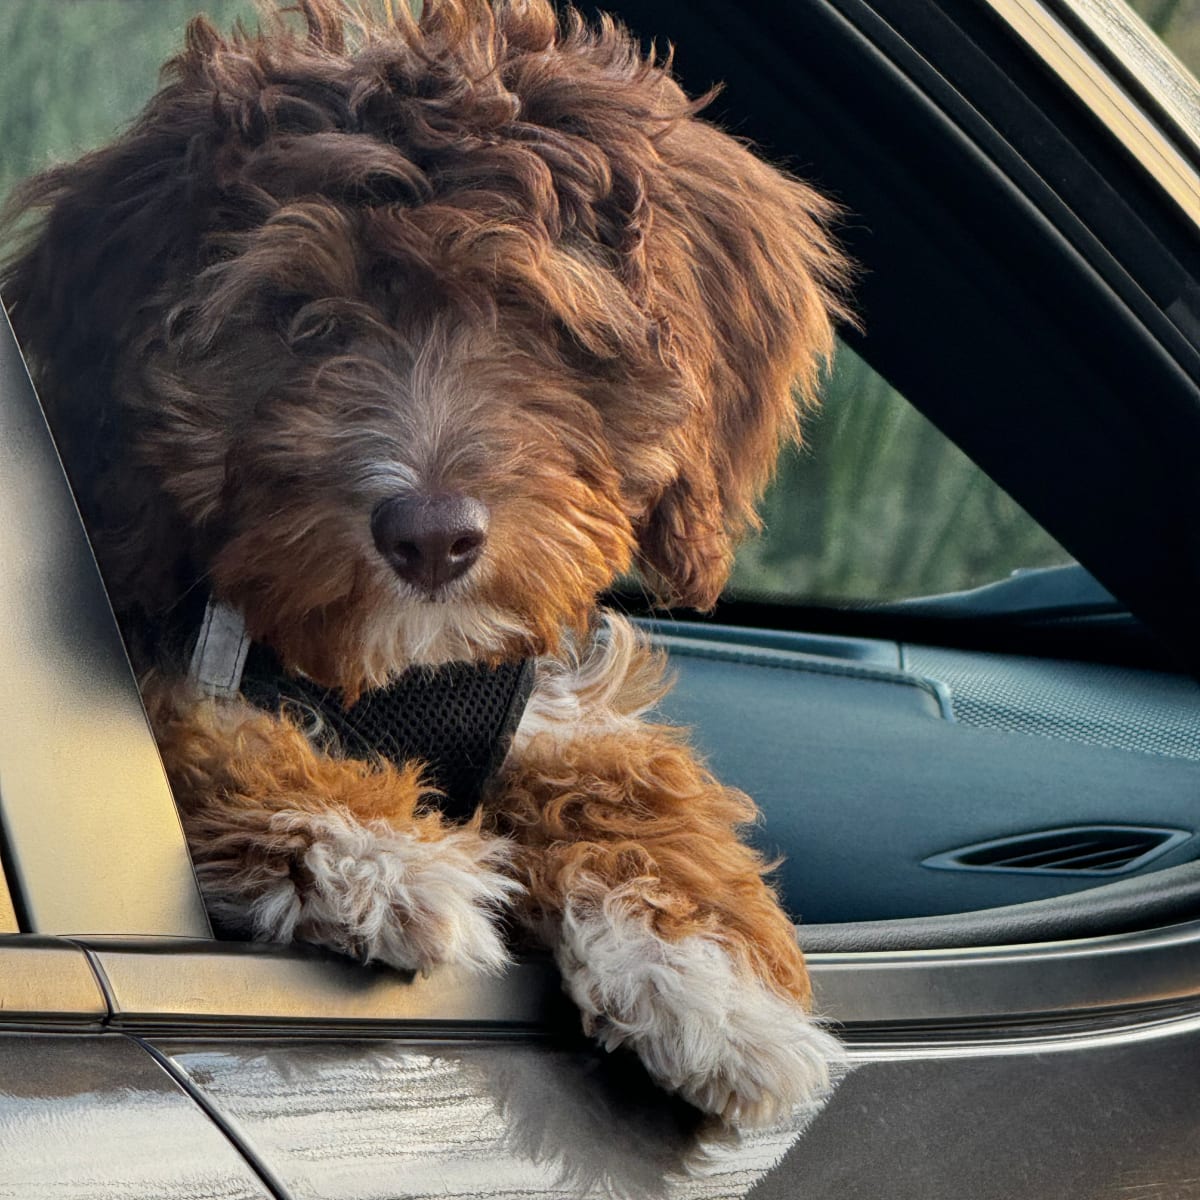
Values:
[(458, 719)]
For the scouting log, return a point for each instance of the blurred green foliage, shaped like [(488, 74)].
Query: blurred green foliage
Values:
[(877, 505), (1177, 22), (75, 72)]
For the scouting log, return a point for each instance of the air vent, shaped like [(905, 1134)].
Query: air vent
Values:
[(1078, 850)]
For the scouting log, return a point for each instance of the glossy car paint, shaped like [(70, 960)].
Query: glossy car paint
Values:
[(373, 1121), (94, 1117), (1075, 1118), (1087, 1115), (966, 1070)]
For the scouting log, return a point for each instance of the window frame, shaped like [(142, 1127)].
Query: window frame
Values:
[(959, 155)]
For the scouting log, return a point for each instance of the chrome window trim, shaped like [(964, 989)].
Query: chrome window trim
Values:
[(93, 840), (1066, 57), (48, 982), (1145, 61), (1014, 993)]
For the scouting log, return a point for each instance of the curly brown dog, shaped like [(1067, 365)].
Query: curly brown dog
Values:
[(402, 338)]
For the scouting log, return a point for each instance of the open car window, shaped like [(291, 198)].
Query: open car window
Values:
[(880, 505), (871, 756)]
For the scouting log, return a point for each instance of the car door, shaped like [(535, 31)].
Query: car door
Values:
[(1048, 1049)]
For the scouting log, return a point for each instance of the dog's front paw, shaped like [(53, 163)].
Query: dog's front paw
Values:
[(380, 895), (704, 1027)]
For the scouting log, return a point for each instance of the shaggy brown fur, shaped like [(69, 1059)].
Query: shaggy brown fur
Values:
[(481, 253)]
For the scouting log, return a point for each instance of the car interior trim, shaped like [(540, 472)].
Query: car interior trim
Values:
[(1164, 897), (693, 646), (1091, 850)]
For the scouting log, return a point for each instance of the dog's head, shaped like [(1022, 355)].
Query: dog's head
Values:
[(408, 336)]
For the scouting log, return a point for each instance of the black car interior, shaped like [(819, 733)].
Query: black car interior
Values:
[(879, 737)]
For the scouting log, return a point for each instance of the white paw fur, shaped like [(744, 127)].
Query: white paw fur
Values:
[(704, 1027), (381, 895)]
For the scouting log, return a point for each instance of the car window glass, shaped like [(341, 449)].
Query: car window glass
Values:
[(879, 505)]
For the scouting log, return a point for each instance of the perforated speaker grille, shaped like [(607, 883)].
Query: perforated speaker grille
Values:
[(1147, 711)]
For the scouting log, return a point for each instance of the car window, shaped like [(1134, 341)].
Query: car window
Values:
[(879, 505)]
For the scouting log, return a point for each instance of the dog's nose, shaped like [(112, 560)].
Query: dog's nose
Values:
[(430, 540)]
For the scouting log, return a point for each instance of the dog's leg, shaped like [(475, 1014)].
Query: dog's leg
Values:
[(291, 844), (666, 934)]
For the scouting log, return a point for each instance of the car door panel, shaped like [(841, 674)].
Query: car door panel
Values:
[(409, 1120), (94, 1117), (1080, 1116), (1069, 1119)]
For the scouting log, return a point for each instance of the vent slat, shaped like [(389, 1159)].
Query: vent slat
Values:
[(1113, 858), (1083, 849), (1033, 859), (1107, 859)]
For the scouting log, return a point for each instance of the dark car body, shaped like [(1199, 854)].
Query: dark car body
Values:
[(1025, 211)]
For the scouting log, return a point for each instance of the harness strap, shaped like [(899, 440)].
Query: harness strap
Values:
[(219, 656), (458, 719)]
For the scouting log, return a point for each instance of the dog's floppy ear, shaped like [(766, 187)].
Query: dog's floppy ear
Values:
[(748, 280)]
